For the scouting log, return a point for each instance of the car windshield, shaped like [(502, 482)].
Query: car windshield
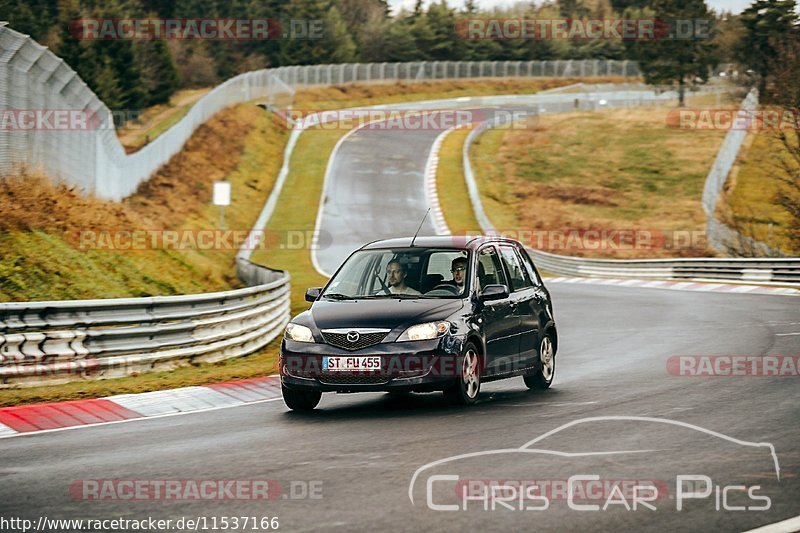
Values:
[(402, 273)]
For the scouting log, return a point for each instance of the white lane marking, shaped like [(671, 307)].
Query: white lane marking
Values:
[(183, 399), (326, 180), (786, 334), (431, 192), (32, 433), (705, 287), (679, 285), (743, 288), (6, 431), (786, 526)]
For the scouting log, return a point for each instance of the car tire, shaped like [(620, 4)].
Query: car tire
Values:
[(299, 400), (543, 378), (468, 384)]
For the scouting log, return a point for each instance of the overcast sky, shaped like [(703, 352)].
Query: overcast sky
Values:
[(735, 6)]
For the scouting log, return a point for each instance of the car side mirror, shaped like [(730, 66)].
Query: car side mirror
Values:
[(493, 292), (313, 294)]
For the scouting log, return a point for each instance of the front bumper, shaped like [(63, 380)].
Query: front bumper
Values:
[(405, 366)]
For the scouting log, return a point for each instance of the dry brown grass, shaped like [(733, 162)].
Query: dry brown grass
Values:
[(180, 188), (184, 185), (40, 253), (54, 207), (613, 170), (748, 202)]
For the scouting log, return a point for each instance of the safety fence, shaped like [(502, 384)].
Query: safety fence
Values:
[(89, 155)]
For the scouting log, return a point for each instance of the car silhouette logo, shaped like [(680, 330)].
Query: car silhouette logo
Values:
[(353, 336)]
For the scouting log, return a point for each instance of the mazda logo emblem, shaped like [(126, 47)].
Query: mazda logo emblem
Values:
[(353, 336)]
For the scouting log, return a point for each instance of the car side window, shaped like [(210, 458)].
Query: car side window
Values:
[(518, 278), (490, 272), (526, 261)]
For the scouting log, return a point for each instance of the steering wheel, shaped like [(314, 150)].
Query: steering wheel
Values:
[(451, 288)]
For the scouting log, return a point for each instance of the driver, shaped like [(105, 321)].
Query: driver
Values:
[(459, 270), (396, 279)]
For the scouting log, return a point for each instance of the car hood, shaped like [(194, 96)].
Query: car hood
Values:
[(388, 313)]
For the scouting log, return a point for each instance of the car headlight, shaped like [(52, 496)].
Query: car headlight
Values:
[(299, 333), (424, 332)]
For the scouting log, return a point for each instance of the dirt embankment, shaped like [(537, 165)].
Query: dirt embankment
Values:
[(181, 188)]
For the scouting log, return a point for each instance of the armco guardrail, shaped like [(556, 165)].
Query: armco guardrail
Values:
[(762, 271), (33, 78), (782, 271), (46, 342)]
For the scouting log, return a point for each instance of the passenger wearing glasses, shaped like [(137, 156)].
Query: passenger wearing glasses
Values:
[(459, 270)]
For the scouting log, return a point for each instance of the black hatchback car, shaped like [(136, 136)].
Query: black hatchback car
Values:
[(420, 315)]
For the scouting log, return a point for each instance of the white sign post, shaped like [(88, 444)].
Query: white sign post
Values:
[(222, 197)]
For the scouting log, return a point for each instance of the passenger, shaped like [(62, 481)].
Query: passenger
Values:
[(396, 278), (459, 270)]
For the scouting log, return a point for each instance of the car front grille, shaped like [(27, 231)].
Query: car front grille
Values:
[(340, 340), (354, 379)]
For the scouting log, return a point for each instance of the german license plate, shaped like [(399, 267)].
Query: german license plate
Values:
[(350, 364)]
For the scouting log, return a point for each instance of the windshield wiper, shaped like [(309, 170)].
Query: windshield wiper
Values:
[(337, 296), (391, 295)]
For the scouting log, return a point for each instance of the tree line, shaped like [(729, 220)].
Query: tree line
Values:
[(132, 74)]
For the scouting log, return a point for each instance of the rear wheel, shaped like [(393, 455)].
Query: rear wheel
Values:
[(298, 400), (468, 385), (543, 378)]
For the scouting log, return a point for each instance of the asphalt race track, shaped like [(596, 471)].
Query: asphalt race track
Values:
[(375, 190), (365, 448), (349, 465)]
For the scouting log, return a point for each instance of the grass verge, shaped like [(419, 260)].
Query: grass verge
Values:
[(451, 187), (51, 250), (749, 199), (603, 170)]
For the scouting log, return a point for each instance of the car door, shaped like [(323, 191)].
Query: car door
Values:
[(540, 306), (524, 308), (496, 317)]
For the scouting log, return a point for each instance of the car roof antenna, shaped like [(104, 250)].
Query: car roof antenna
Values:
[(420, 227)]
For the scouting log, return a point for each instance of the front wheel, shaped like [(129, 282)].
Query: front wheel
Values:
[(468, 385), (298, 400), (547, 361)]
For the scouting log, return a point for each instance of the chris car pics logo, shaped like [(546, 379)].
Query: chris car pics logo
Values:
[(477, 482)]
